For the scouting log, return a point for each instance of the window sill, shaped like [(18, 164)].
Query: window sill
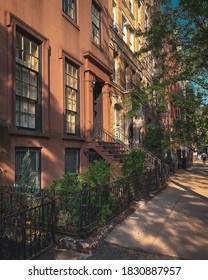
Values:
[(72, 137), (17, 132), (70, 20)]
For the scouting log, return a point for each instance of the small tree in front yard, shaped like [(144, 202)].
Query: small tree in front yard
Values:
[(27, 178)]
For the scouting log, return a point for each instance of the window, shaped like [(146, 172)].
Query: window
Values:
[(69, 7), (131, 6), (125, 76), (27, 82), (72, 162), (138, 44), (95, 24), (146, 22), (139, 15), (118, 121), (115, 25), (124, 29), (115, 72), (71, 99), (34, 168), (132, 42)]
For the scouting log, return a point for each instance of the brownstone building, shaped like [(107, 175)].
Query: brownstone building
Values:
[(64, 66)]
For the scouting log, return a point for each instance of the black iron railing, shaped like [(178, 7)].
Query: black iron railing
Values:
[(109, 141), (118, 144), (79, 210), (100, 205), (25, 233)]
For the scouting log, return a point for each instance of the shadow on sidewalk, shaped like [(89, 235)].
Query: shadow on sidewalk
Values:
[(187, 188)]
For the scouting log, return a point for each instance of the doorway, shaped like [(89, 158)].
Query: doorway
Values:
[(97, 104)]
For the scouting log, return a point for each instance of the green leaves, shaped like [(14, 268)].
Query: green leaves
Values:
[(180, 34), (97, 175), (134, 162)]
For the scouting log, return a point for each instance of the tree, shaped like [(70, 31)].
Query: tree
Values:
[(184, 28), (27, 178), (178, 41)]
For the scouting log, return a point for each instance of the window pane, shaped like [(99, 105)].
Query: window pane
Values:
[(18, 72), (33, 93), (34, 49), (31, 108), (26, 45), (25, 75), (25, 88), (19, 47), (25, 112), (18, 88), (33, 78), (69, 7), (72, 160), (95, 24), (34, 63), (70, 122), (31, 121)]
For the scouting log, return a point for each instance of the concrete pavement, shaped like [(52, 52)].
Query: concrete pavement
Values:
[(174, 222)]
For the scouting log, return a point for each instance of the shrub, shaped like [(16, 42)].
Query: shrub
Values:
[(134, 162), (97, 175), (68, 182)]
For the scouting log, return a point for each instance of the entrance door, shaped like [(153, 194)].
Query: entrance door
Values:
[(118, 122), (97, 105), (130, 135)]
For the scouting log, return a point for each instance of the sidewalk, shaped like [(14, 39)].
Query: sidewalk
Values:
[(174, 222)]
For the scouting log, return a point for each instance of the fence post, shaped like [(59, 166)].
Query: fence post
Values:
[(1, 200), (83, 211), (53, 225), (23, 241), (128, 189)]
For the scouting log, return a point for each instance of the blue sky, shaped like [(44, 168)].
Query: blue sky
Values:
[(175, 2)]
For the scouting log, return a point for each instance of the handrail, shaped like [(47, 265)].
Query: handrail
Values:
[(149, 156), (119, 132), (119, 148), (111, 143)]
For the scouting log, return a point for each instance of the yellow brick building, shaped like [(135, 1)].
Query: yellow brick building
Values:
[(130, 70)]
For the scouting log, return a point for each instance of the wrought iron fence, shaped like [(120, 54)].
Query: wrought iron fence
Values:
[(15, 199), (78, 211), (25, 233), (98, 206), (67, 209)]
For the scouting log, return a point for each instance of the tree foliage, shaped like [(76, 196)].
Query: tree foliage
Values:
[(183, 29), (134, 162), (27, 178), (178, 41)]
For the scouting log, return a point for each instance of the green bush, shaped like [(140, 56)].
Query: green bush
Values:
[(97, 177), (68, 182), (98, 174), (134, 162)]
